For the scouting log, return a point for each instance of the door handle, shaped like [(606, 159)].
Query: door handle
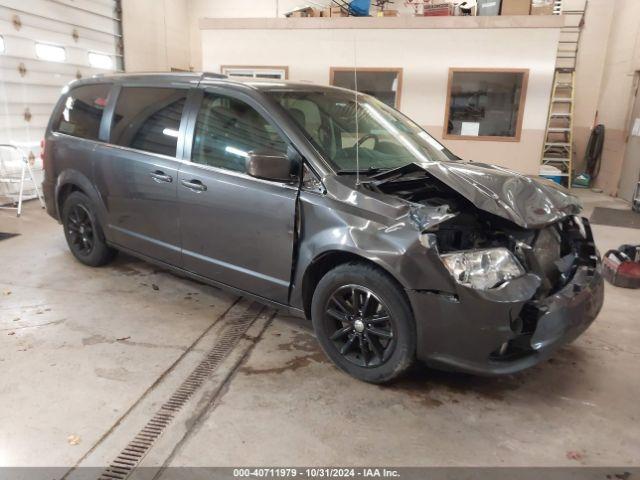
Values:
[(159, 176), (195, 185)]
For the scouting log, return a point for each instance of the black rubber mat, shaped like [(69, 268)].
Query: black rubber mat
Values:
[(4, 236), (615, 218)]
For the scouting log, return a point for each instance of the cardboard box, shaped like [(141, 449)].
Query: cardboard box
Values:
[(388, 13), (326, 12), (338, 12), (516, 7), (542, 7), (304, 12)]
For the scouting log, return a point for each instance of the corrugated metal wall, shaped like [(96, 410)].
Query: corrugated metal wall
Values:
[(30, 86)]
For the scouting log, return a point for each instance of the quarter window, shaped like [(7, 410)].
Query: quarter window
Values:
[(148, 119), (228, 129), (82, 111), (485, 104)]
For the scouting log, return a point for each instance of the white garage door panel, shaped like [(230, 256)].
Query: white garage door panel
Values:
[(36, 78), (38, 122), (31, 85), (12, 93), (63, 13), (25, 37), (106, 9), (43, 23)]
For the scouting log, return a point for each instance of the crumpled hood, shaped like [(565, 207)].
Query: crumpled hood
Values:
[(527, 202)]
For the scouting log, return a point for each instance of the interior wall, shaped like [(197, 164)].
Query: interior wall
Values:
[(246, 9), (589, 70), (614, 103), (310, 53), (608, 56), (156, 35)]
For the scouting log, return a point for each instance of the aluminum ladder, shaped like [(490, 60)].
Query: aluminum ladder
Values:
[(557, 150), (26, 169)]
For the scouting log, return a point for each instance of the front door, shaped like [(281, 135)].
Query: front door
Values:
[(631, 167), (137, 173), (236, 229)]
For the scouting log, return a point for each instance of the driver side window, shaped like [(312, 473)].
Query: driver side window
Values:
[(228, 129)]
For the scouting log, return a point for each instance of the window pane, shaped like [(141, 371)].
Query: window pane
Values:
[(51, 53), (228, 129), (485, 103), (82, 111), (385, 138), (148, 119), (249, 72), (98, 60), (382, 84)]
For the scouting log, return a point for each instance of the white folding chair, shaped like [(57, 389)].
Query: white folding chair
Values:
[(26, 168)]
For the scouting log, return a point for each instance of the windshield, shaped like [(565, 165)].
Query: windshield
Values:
[(386, 139)]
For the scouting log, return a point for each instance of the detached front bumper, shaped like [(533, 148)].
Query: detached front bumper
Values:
[(506, 330)]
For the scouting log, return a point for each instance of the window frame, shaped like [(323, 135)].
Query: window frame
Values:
[(397, 70), (254, 68), (491, 138), (109, 113), (194, 111)]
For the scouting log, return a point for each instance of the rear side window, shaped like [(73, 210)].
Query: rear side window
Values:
[(148, 119), (82, 111)]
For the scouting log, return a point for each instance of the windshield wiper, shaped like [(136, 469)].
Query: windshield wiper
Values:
[(368, 171)]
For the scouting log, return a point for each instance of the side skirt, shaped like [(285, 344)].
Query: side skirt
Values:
[(207, 281)]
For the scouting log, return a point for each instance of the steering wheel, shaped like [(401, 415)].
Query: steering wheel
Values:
[(367, 137)]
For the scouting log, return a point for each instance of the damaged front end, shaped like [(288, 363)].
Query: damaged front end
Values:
[(527, 275)]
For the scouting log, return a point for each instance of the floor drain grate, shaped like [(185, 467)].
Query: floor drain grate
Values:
[(129, 458)]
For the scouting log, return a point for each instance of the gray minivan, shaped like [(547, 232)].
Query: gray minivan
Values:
[(329, 204)]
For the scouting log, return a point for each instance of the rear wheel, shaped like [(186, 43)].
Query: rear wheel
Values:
[(83, 232), (363, 322)]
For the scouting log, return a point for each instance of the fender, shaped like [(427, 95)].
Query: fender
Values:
[(395, 247), (71, 177)]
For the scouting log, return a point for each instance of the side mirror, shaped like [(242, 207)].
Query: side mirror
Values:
[(270, 166)]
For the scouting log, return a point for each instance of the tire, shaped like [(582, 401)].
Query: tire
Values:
[(83, 231), (378, 351)]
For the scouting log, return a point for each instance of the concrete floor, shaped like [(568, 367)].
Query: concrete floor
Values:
[(87, 355)]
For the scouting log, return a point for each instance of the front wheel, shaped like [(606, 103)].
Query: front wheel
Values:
[(363, 322)]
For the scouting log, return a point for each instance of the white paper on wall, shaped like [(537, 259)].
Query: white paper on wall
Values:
[(635, 131), (471, 129)]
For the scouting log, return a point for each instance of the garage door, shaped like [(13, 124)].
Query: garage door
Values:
[(45, 44)]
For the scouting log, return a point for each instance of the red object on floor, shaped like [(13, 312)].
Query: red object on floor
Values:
[(620, 271)]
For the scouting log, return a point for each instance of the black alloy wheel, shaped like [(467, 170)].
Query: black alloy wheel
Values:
[(81, 230), (360, 326)]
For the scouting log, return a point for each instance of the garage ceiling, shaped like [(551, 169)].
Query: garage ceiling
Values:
[(89, 31)]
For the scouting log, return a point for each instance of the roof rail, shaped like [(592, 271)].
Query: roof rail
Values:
[(213, 75)]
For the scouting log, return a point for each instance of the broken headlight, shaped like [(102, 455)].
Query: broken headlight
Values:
[(483, 269)]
